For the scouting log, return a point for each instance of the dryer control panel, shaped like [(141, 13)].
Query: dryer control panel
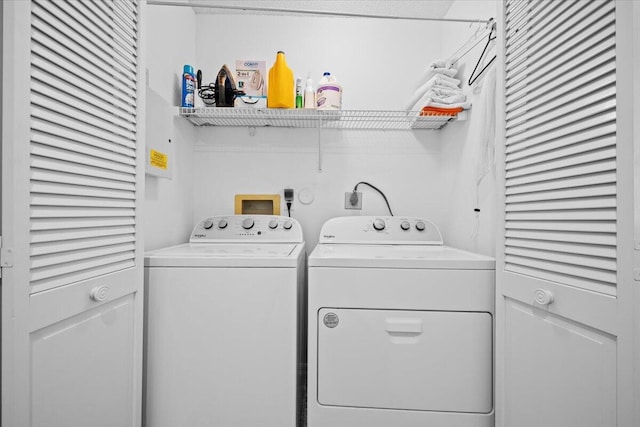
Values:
[(380, 230), (247, 228)]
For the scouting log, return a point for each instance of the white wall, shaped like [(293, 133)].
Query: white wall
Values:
[(403, 165), (378, 62), (462, 148), (168, 208)]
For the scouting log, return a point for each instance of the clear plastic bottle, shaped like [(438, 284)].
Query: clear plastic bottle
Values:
[(329, 93), (309, 94), (281, 88)]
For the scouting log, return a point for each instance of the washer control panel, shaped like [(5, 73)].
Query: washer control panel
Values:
[(380, 230), (247, 228)]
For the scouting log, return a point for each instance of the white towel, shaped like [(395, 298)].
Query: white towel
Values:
[(449, 99), (429, 73), (415, 112), (440, 63), (438, 81), (428, 99), (445, 91), (421, 101), (435, 94), (450, 72), (464, 105), (486, 151)]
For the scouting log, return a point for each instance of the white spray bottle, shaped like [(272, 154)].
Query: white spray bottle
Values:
[(309, 94)]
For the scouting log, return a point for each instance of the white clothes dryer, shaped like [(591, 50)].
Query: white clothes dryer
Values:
[(225, 325), (400, 327)]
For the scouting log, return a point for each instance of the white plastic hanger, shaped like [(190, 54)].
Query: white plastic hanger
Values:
[(475, 39)]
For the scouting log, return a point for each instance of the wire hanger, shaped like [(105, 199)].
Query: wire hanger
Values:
[(473, 41), (472, 77)]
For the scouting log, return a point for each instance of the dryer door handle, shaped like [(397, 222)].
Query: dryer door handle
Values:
[(404, 326)]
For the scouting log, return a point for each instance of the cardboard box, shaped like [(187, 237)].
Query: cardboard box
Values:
[(251, 77)]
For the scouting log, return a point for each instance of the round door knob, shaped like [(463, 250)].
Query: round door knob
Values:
[(247, 223), (207, 224), (273, 224), (420, 226), (543, 296), (287, 225), (100, 293), (378, 224), (405, 225), (222, 223)]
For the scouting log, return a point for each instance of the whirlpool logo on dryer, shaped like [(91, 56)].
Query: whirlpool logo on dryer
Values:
[(329, 236), (199, 236)]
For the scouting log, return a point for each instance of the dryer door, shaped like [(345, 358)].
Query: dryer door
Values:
[(415, 360)]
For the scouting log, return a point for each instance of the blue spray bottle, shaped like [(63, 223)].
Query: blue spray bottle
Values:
[(188, 86)]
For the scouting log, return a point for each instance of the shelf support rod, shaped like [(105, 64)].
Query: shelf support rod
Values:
[(320, 145), (208, 5)]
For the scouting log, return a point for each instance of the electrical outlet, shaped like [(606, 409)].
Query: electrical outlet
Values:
[(288, 194), (347, 200)]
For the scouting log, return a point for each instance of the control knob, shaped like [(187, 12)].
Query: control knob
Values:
[(222, 224), (420, 226), (207, 224), (247, 223), (287, 225), (273, 224), (378, 224), (405, 225)]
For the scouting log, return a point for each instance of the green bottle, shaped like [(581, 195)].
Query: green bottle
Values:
[(299, 93)]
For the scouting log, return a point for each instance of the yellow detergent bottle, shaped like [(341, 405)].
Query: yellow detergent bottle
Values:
[(281, 88)]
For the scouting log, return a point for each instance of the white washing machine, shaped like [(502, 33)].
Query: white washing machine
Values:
[(225, 325), (400, 327)]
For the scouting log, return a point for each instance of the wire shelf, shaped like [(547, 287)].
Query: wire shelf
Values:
[(325, 119)]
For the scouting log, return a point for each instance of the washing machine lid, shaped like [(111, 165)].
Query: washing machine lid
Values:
[(398, 256), (263, 255), (236, 241)]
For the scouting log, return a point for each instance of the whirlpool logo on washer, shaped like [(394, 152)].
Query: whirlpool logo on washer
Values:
[(330, 320), (329, 236)]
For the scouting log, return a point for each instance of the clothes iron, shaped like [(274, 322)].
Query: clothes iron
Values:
[(220, 93), (225, 88)]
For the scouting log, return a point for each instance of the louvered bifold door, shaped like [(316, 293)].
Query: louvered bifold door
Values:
[(83, 140), (558, 346), (560, 156), (72, 298)]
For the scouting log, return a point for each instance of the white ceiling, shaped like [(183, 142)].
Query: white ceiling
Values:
[(390, 8)]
